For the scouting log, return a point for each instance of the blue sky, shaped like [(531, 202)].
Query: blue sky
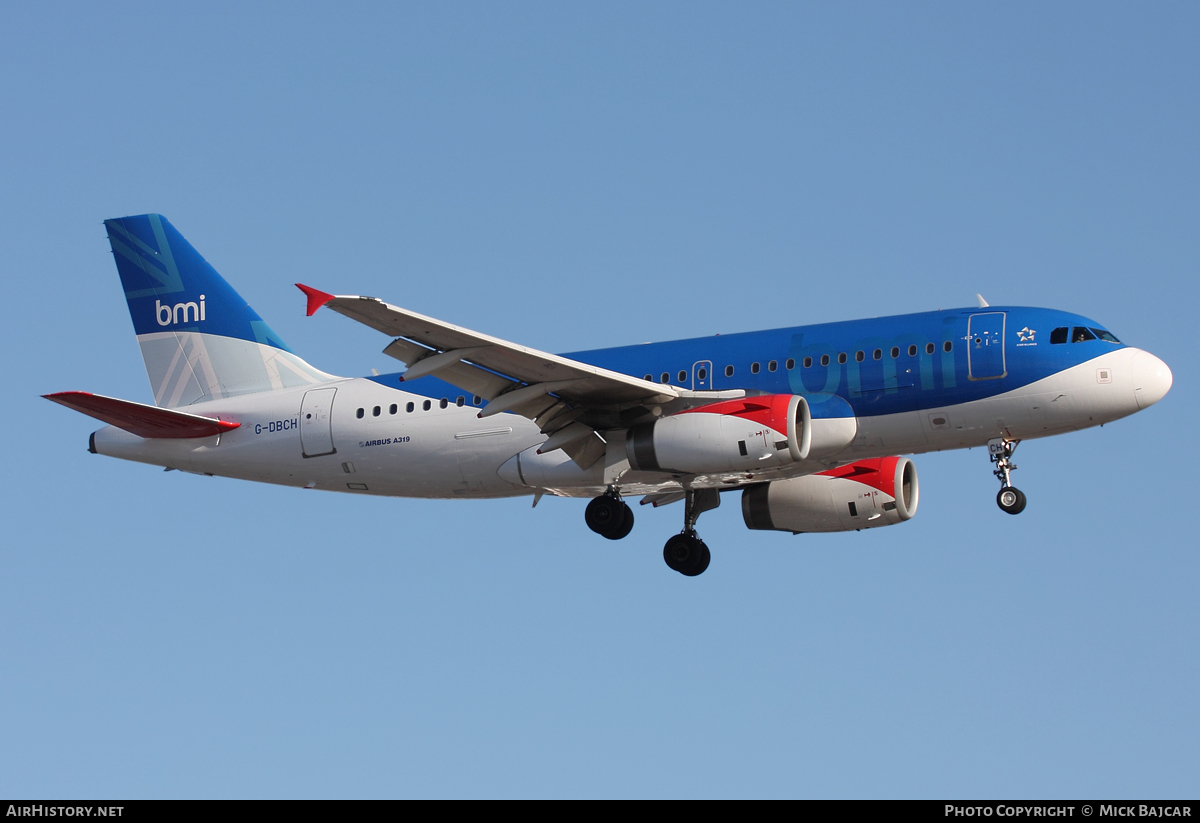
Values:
[(574, 176)]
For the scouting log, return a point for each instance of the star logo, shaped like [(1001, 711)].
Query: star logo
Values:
[(1026, 334)]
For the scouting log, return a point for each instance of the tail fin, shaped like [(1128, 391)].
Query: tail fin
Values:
[(200, 340)]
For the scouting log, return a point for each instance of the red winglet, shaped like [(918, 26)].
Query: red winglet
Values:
[(316, 298), (140, 419)]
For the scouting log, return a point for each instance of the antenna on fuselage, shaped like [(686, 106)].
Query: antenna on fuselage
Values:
[(983, 304)]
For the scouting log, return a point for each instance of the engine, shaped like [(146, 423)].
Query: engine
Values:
[(734, 435), (861, 495)]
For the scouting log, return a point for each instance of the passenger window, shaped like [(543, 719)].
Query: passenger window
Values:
[(461, 401), (859, 356), (702, 374), (729, 371), (754, 367), (824, 360), (808, 362), (444, 403), (648, 378), (375, 411), (1080, 334), (947, 346), (877, 354), (409, 408), (427, 405), (929, 348), (1059, 335), (912, 351), (476, 400), (392, 409), (791, 364), (772, 366), (1106, 336), (842, 357), (895, 352), (682, 376), (664, 378), (359, 414)]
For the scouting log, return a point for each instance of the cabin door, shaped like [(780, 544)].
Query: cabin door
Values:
[(316, 422), (985, 346)]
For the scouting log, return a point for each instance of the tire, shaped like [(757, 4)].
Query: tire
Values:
[(678, 552), (626, 525), (702, 560), (686, 554), (1011, 500), (606, 517)]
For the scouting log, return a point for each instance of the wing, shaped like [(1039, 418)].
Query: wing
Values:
[(570, 401)]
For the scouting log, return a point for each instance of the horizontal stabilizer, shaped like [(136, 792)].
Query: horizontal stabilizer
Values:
[(140, 419)]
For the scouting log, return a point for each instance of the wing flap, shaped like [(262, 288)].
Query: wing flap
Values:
[(141, 419)]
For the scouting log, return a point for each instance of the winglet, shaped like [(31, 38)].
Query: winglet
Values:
[(316, 298)]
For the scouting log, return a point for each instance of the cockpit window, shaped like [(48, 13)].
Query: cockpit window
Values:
[(1059, 335), (1079, 334), (1106, 336)]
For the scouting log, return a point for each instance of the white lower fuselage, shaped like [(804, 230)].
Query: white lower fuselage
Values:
[(451, 452)]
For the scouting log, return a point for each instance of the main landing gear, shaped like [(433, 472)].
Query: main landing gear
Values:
[(1000, 451), (686, 552), (609, 516)]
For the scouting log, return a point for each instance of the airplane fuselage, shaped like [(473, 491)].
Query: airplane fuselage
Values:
[(912, 384)]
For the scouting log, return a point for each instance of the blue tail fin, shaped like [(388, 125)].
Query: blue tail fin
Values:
[(200, 340)]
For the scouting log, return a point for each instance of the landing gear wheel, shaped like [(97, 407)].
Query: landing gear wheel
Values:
[(1011, 500), (626, 526), (609, 516), (687, 554)]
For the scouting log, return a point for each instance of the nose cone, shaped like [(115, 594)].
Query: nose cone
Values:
[(1151, 379)]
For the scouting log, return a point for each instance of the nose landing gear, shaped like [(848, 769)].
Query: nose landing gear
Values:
[(1000, 451), (609, 516)]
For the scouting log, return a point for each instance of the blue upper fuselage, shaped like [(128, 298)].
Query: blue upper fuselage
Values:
[(878, 366)]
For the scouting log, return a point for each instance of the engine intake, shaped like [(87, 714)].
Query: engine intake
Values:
[(862, 495)]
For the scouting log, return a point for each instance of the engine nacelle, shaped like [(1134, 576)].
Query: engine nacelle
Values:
[(862, 495), (752, 433)]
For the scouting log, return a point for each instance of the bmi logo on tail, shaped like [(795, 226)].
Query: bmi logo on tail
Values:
[(167, 315)]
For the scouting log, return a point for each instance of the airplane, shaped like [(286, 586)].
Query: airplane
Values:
[(808, 423)]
